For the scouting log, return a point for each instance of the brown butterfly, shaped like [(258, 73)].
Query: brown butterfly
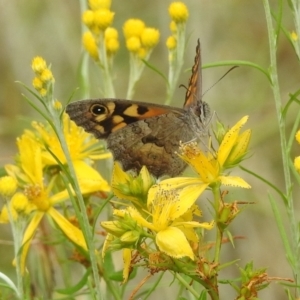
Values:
[(144, 134)]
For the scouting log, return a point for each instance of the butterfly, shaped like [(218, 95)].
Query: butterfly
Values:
[(144, 134)]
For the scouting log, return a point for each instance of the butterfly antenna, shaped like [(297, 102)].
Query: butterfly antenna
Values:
[(234, 67)]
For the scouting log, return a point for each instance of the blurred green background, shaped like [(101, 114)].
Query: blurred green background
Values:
[(229, 30)]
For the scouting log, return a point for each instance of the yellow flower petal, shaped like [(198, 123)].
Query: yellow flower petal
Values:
[(229, 140), (31, 158), (89, 179), (127, 261), (135, 215), (239, 150), (28, 235), (176, 183), (173, 242), (193, 224), (234, 181), (73, 233)]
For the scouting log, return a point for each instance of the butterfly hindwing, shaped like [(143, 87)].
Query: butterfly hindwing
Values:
[(151, 142)]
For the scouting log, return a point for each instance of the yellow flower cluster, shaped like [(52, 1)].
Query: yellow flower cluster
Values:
[(99, 19), (111, 38), (179, 15), (41, 189), (43, 77), (164, 215), (139, 38)]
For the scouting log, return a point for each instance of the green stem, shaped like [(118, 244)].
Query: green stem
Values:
[(176, 64), (219, 233), (283, 141), (108, 88), (81, 210), (187, 285), (296, 12), (17, 228), (137, 66)]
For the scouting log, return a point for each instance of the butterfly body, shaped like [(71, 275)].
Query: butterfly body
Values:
[(140, 133)]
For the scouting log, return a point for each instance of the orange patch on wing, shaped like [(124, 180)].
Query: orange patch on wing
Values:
[(117, 119), (119, 126), (133, 111), (100, 128), (154, 111)]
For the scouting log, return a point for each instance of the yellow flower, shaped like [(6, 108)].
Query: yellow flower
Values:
[(20, 203), (103, 18), (43, 77), (210, 167), (8, 186), (111, 40), (90, 45), (57, 105), (297, 163), (298, 136), (81, 144), (111, 33), (46, 75), (37, 83), (173, 27), (88, 18), (98, 4), (133, 44), (38, 64), (294, 36), (142, 53), (4, 215), (234, 146), (98, 20), (150, 37), (172, 230), (133, 27), (112, 46), (132, 188), (178, 12), (43, 92), (42, 200), (171, 42)]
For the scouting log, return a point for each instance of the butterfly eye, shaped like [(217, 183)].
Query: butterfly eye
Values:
[(98, 109)]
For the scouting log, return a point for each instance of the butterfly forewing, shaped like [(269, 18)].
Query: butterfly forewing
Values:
[(144, 134), (104, 116), (194, 90)]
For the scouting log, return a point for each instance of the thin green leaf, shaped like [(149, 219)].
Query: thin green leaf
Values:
[(78, 286), (284, 237), (33, 93), (238, 63), (150, 66), (283, 196)]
